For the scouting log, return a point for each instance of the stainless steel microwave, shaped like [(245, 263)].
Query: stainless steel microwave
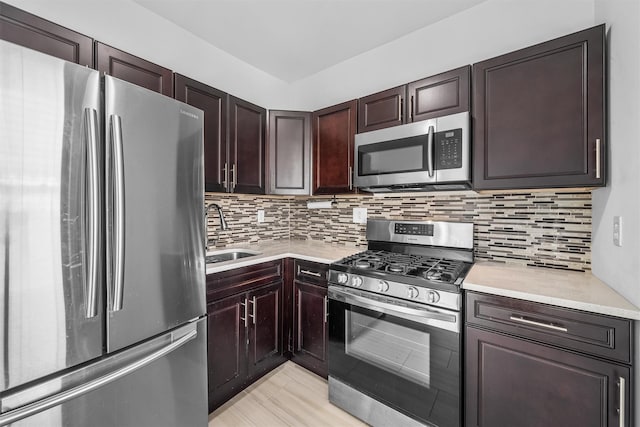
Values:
[(423, 156)]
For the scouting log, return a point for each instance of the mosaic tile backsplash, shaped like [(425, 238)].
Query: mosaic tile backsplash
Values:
[(545, 229)]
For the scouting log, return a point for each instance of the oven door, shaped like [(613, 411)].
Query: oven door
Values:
[(404, 356)]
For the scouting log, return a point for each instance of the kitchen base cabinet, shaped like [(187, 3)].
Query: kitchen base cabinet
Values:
[(244, 309), (310, 331), (515, 376)]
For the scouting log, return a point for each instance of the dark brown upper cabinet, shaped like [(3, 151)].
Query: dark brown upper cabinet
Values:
[(439, 95), (334, 131), (132, 69), (539, 115), (25, 29), (289, 152), (247, 125), (214, 104)]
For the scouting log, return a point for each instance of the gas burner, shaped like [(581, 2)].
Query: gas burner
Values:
[(363, 264), (396, 268), (437, 275)]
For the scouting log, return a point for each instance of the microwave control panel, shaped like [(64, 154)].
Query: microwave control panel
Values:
[(448, 149)]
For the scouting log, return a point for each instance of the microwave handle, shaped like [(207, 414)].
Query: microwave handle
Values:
[(430, 151)]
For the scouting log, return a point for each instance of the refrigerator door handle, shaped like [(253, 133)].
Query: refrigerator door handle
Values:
[(93, 192), (118, 204), (57, 399)]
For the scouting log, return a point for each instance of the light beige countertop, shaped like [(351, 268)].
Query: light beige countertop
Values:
[(582, 291), (272, 250)]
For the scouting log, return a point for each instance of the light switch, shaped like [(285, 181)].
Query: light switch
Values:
[(260, 215), (617, 230)]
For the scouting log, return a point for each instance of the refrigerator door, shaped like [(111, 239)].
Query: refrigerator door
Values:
[(161, 382), (50, 203), (155, 221)]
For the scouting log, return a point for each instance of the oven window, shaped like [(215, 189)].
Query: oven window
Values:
[(396, 348), (401, 155)]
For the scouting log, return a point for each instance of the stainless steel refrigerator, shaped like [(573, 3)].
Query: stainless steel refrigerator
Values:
[(102, 275)]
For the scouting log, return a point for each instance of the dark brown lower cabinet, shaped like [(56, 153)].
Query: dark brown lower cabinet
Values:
[(517, 381), (244, 332), (310, 334), (310, 327)]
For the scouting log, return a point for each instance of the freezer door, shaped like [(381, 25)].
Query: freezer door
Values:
[(161, 382), (155, 204), (50, 203)]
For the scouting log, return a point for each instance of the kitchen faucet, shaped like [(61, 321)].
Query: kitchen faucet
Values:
[(223, 223)]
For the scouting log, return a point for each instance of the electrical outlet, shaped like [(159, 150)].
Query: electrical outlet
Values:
[(360, 215), (260, 215), (617, 230)]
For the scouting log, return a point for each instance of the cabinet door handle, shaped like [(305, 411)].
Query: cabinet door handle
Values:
[(234, 177), (621, 410), (308, 272), (224, 176), (535, 323), (245, 319), (253, 310), (400, 109), (350, 178), (598, 158), (326, 309), (411, 115)]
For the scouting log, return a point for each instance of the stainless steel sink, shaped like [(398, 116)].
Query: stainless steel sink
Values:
[(228, 255)]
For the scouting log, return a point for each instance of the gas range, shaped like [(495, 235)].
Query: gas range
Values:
[(419, 261)]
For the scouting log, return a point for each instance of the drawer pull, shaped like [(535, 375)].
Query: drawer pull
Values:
[(308, 272), (622, 408), (541, 324)]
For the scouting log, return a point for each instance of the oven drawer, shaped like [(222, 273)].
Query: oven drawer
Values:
[(311, 272), (596, 334)]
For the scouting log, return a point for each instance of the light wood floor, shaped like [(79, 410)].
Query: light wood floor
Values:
[(288, 396)]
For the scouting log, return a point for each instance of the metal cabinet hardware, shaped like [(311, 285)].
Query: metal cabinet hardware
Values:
[(535, 323), (245, 319), (621, 409), (308, 272), (598, 158)]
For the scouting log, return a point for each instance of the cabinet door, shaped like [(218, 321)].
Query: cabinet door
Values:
[(247, 124), (440, 95), (539, 115), (214, 104), (310, 336), (289, 152), (25, 29), (226, 348), (265, 329), (134, 70), (334, 130), (382, 110), (514, 382)]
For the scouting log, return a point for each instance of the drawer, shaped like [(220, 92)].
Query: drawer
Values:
[(596, 334), (310, 272), (225, 283)]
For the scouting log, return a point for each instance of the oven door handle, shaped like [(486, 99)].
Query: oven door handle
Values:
[(364, 302)]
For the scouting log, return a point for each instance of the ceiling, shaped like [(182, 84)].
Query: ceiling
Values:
[(293, 39)]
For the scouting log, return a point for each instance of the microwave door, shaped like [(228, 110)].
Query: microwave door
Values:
[(452, 149), (402, 156)]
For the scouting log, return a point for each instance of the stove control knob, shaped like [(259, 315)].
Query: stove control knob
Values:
[(343, 278), (433, 297), (356, 282), (383, 286), (412, 292)]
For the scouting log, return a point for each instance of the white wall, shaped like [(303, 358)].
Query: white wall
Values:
[(620, 266), (484, 31), (489, 29), (128, 26)]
